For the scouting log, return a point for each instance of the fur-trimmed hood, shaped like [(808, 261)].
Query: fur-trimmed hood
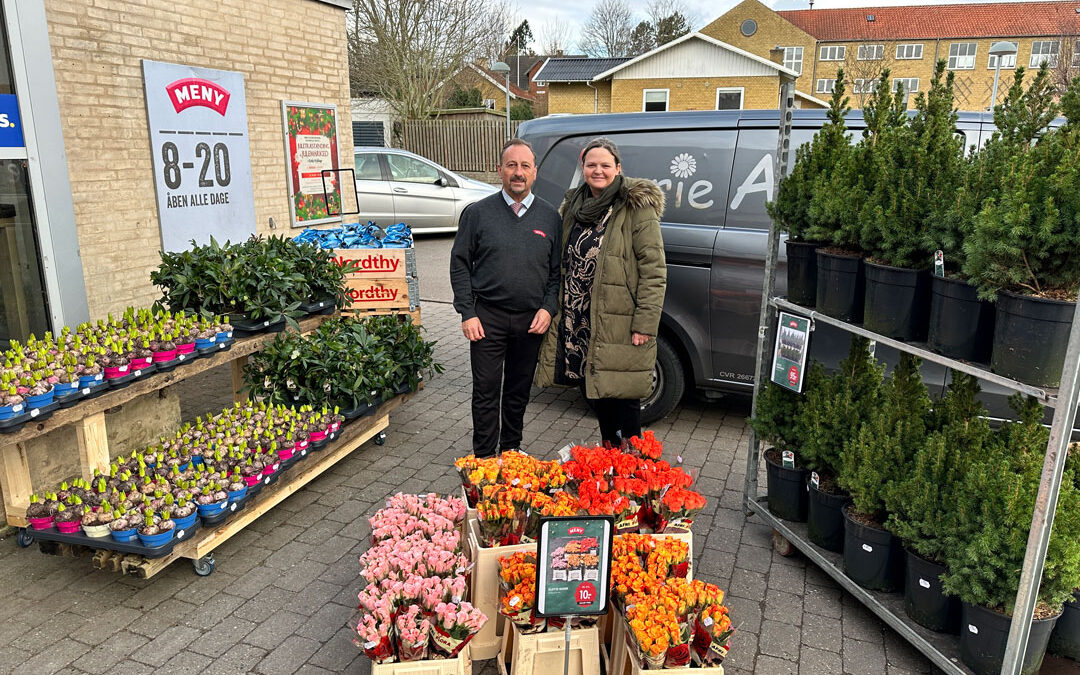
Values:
[(638, 192)]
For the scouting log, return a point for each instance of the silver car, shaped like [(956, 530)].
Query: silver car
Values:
[(397, 186)]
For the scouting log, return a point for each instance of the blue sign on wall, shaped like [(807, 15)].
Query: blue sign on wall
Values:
[(11, 135)]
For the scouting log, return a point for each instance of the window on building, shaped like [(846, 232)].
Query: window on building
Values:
[(729, 98), (489, 103), (871, 52), (962, 56), (825, 86), (833, 53), (654, 100), (865, 86), (907, 52), (1074, 61), (911, 84), (793, 58), (1044, 51), (1007, 61)]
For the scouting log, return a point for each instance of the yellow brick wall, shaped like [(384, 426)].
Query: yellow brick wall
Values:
[(286, 49), (578, 98), (695, 93)]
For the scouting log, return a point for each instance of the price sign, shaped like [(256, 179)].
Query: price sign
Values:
[(574, 566), (201, 153), (311, 146), (789, 355)]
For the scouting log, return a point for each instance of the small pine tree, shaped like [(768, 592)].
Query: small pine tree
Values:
[(836, 406), (775, 416), (881, 453), (818, 157)]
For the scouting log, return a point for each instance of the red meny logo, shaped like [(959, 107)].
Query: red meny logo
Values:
[(192, 91), (576, 530)]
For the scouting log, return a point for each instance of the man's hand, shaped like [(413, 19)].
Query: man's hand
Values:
[(638, 339), (472, 329), (540, 322)]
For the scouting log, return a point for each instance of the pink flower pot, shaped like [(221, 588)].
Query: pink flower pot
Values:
[(138, 364), (70, 527), (113, 372), (186, 349), (316, 436), (285, 454), (165, 356), (40, 523), (250, 480)]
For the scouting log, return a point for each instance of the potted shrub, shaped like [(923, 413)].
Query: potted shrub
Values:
[(791, 210), (993, 513), (921, 503), (871, 464), (918, 165), (961, 323), (774, 422), (836, 406)]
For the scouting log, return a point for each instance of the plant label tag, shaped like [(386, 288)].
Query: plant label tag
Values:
[(86, 391), (180, 534), (35, 412), (17, 408), (266, 481), (265, 324), (815, 479), (123, 369), (303, 453), (138, 373), (564, 454), (232, 507), (708, 621), (924, 583), (98, 377), (872, 347), (939, 263), (868, 548), (789, 459), (221, 346), (973, 629), (181, 357)]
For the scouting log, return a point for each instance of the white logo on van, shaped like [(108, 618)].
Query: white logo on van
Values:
[(764, 171), (683, 166)]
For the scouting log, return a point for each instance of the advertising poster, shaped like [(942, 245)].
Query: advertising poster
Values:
[(201, 154), (789, 356), (311, 146), (573, 566)]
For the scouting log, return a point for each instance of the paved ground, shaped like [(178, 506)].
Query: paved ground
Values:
[(285, 588)]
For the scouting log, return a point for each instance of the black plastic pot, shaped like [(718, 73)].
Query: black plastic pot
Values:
[(802, 272), (841, 286), (1030, 338), (897, 302), (873, 557), (317, 307), (924, 600), (983, 634), (787, 490), (243, 326), (1065, 640), (961, 325), (825, 518)]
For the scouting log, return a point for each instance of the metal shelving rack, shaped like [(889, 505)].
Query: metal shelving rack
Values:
[(941, 649)]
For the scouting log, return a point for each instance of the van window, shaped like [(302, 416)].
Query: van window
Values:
[(753, 179)]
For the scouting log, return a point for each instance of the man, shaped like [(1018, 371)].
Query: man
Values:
[(504, 268)]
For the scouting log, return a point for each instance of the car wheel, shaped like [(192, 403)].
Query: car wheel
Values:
[(669, 383)]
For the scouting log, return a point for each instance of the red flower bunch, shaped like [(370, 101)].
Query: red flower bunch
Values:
[(648, 445), (598, 502), (679, 501)]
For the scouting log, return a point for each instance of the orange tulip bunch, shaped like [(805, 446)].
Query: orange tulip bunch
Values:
[(711, 635)]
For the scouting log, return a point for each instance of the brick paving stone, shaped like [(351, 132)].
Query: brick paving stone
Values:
[(787, 605), (184, 663), (770, 665), (327, 621), (221, 637), (129, 667), (815, 661), (821, 632), (337, 653), (54, 659), (166, 645), (863, 657), (289, 656), (748, 584), (240, 660), (780, 639), (110, 651), (11, 659), (275, 628)]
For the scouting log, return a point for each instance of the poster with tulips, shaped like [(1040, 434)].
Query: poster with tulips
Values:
[(311, 148)]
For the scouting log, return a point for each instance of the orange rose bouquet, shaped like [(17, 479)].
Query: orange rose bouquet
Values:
[(669, 558), (652, 630), (501, 521), (678, 507), (518, 604), (647, 445), (711, 634)]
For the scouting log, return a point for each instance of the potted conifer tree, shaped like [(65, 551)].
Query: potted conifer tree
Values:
[(775, 422), (791, 210)]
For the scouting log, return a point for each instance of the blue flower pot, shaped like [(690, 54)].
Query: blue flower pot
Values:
[(197, 460), (224, 336), (237, 495), (9, 411), (65, 388), (124, 535), (186, 522), (155, 540), (209, 510), (203, 343), (91, 380), (41, 400), (184, 466)]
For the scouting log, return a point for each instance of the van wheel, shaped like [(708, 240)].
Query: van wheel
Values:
[(669, 383)]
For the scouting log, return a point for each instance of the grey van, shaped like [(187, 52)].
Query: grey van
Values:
[(717, 171)]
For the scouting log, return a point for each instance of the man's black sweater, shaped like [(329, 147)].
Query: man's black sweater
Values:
[(506, 261)]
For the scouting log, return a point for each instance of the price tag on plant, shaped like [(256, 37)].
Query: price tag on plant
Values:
[(789, 354), (580, 547), (815, 479), (788, 459)]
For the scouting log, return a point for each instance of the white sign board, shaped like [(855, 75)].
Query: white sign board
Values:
[(201, 154)]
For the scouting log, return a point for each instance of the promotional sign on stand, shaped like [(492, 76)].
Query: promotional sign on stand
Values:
[(201, 154), (789, 354), (311, 147)]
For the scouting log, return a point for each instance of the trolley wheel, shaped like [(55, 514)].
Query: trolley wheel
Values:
[(782, 545), (204, 566), (24, 538), (380, 438)]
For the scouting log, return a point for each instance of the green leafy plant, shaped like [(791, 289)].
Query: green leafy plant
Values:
[(881, 453)]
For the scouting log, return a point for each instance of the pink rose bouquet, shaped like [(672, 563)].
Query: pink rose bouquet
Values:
[(455, 624)]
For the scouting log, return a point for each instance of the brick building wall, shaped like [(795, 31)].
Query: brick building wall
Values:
[(577, 97), (695, 93), (286, 49)]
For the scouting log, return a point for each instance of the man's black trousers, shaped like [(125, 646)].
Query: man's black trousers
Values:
[(505, 359)]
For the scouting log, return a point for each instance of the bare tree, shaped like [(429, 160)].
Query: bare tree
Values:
[(863, 70), (404, 50), (607, 30), (670, 19), (555, 37), (1066, 67)]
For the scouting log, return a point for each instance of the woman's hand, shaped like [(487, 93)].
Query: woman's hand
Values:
[(638, 339)]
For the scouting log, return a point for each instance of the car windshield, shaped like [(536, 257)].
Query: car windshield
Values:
[(411, 170)]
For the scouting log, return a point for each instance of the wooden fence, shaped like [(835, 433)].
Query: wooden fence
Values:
[(459, 145)]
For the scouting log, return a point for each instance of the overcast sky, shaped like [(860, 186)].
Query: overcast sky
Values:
[(575, 12)]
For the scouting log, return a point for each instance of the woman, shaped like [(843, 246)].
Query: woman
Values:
[(614, 278)]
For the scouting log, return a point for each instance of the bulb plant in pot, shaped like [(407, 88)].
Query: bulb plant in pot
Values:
[(775, 422), (993, 512), (836, 406), (1025, 248), (962, 324), (919, 161), (791, 210), (873, 463)]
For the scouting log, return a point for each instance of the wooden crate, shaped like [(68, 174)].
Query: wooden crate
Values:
[(461, 665), (381, 294), (542, 653), (485, 591), (360, 313), (378, 263)]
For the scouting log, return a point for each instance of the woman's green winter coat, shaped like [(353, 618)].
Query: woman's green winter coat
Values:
[(627, 297)]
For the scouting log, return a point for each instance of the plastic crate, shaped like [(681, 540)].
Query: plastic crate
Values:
[(544, 652), (485, 591), (461, 665)]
